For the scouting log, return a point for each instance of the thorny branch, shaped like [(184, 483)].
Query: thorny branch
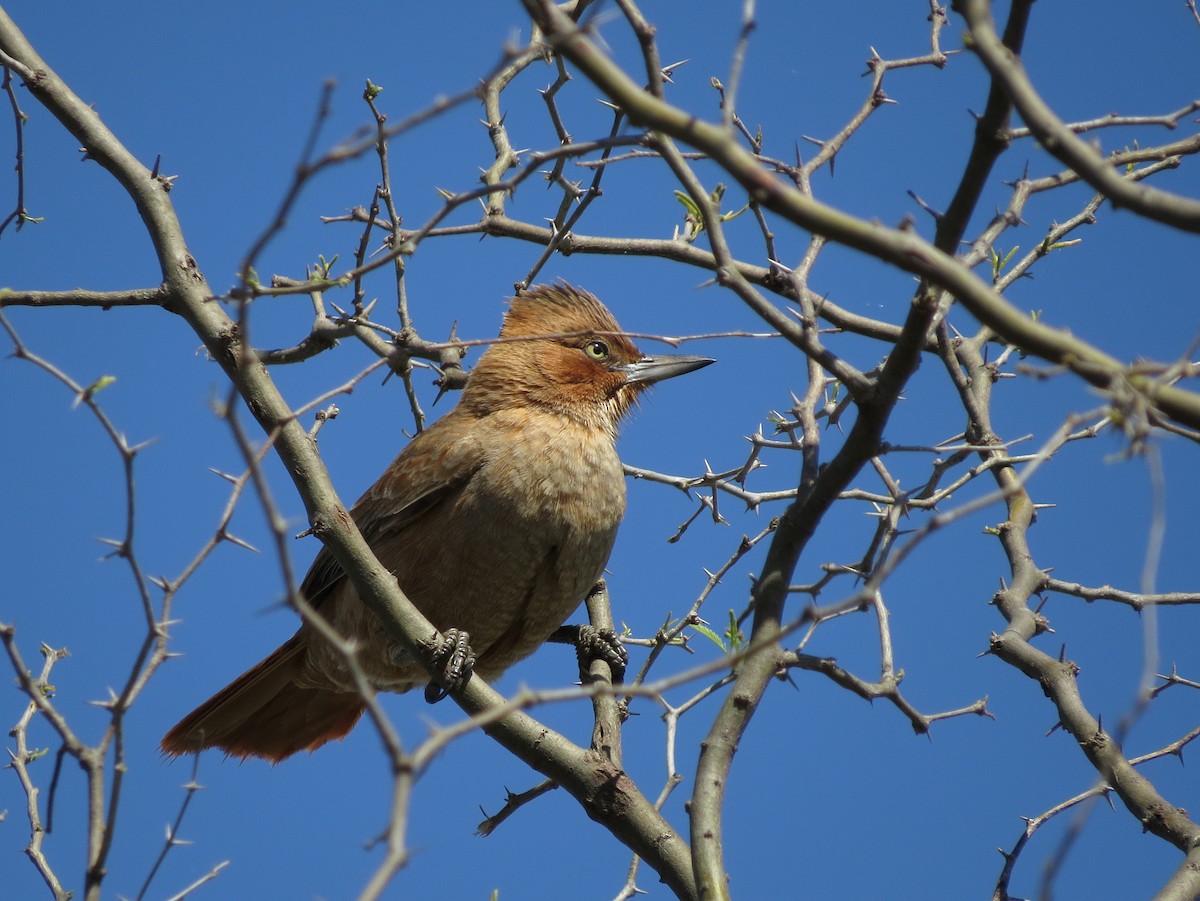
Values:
[(860, 468)]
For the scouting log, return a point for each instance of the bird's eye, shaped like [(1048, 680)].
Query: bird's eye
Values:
[(597, 350)]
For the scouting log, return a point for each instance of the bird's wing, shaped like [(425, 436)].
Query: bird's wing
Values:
[(427, 474)]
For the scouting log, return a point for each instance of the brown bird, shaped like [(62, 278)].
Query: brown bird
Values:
[(496, 520)]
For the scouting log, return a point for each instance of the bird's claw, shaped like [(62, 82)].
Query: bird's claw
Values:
[(454, 660), (600, 644)]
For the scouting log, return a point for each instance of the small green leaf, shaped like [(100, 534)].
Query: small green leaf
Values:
[(734, 634), (93, 389), (693, 220), (688, 203), (711, 636), (998, 262), (1058, 245), (725, 217), (323, 266)]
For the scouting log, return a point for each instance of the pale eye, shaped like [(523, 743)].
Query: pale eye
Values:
[(597, 350)]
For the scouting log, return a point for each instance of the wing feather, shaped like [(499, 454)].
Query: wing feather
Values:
[(426, 474)]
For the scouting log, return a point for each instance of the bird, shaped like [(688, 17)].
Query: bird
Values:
[(495, 520)]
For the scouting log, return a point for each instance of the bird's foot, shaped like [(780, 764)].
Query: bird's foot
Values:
[(453, 660), (595, 644)]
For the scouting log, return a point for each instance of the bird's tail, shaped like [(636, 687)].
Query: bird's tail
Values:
[(266, 713)]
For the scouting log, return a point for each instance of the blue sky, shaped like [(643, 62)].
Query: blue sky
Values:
[(829, 796)]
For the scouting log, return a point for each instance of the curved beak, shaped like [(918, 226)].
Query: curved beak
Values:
[(649, 370)]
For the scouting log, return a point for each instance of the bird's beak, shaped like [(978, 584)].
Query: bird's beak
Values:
[(649, 370)]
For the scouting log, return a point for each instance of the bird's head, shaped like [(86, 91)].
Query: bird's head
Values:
[(563, 351)]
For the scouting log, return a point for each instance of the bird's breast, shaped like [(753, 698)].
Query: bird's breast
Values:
[(561, 475), (549, 502), (512, 551), (548, 506)]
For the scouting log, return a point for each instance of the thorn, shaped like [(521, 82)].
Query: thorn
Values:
[(668, 71), (233, 539), (138, 448)]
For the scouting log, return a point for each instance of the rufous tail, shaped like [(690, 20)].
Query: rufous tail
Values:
[(266, 713)]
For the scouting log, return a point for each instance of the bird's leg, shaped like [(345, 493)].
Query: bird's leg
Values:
[(594, 644), (454, 660)]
